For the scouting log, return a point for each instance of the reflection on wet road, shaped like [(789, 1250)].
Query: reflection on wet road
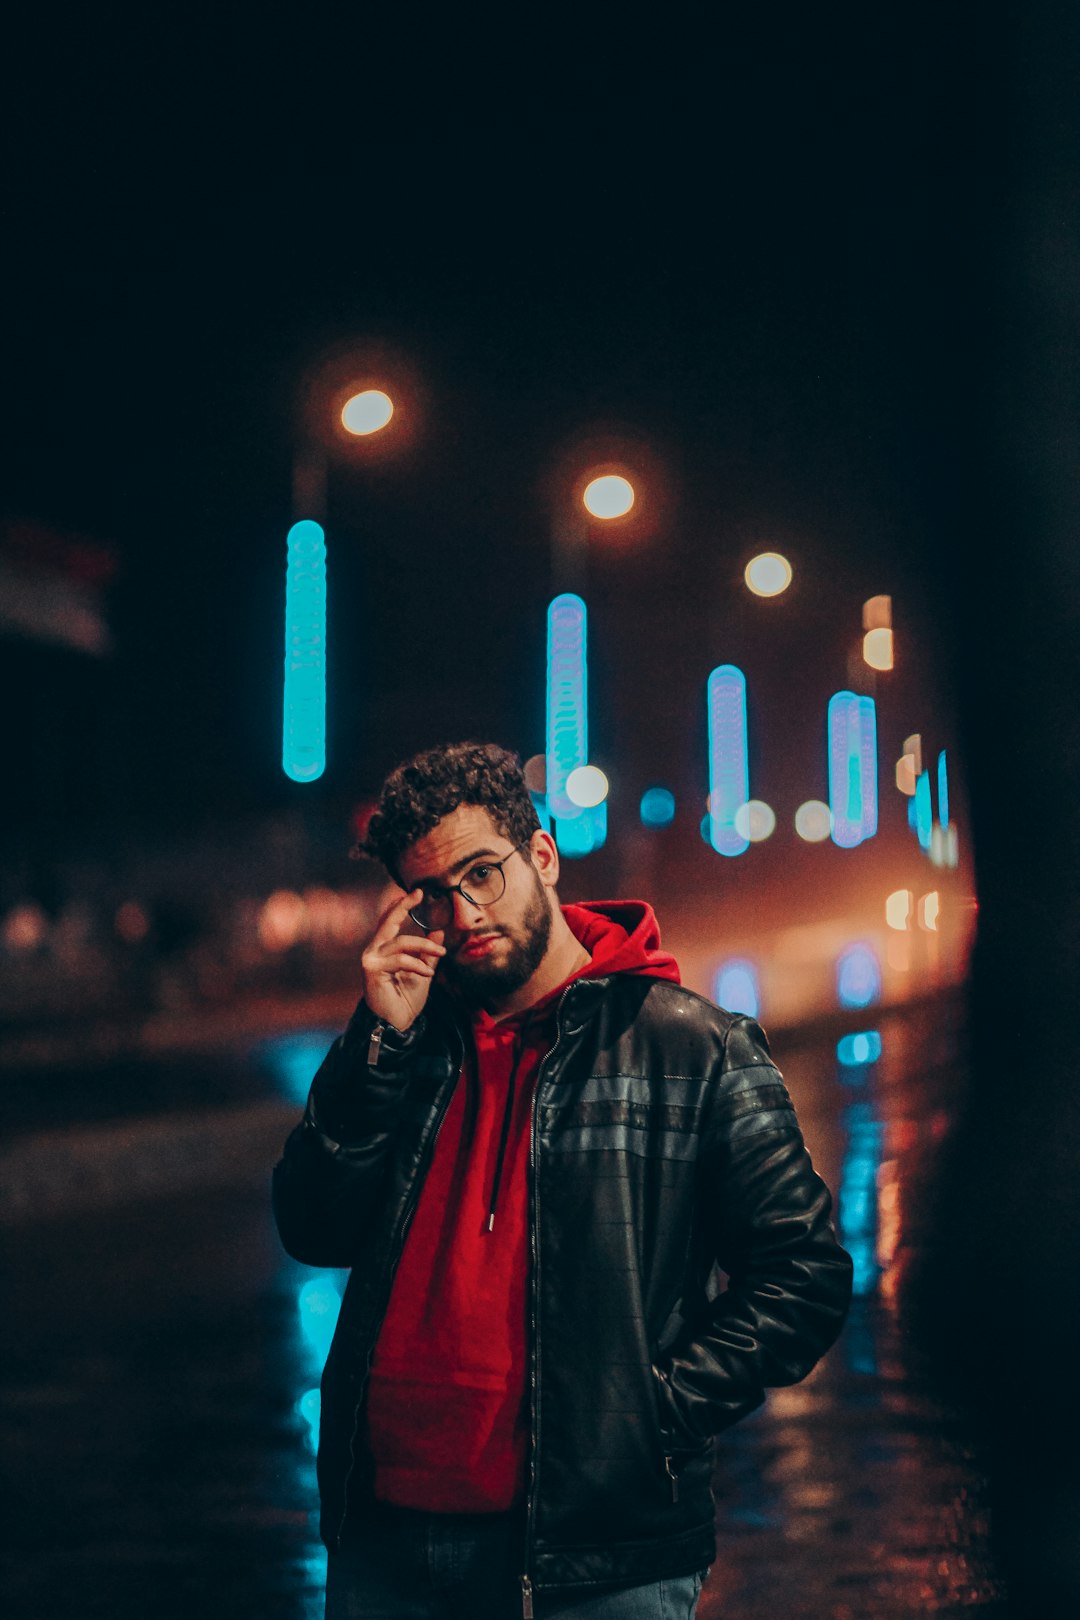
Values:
[(161, 1386)]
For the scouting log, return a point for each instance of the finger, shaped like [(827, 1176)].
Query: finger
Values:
[(411, 964), (409, 942), (396, 913)]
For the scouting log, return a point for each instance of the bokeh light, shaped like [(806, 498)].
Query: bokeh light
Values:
[(865, 1047), (878, 648), (813, 821), (755, 820), (735, 987), (587, 786), (282, 920), (567, 702), (131, 922), (729, 772), (852, 743), (303, 755), (905, 774), (898, 909), (657, 807), (366, 412), (768, 574), (924, 812), (319, 1303), (25, 928), (610, 496), (858, 976), (929, 911), (877, 613), (942, 790)]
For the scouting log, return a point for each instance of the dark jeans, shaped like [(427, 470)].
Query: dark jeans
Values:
[(401, 1564)]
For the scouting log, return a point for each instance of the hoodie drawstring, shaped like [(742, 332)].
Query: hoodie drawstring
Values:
[(506, 1120)]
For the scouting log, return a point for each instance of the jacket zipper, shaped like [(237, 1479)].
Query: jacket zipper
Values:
[(669, 1470), (534, 1359), (410, 1211)]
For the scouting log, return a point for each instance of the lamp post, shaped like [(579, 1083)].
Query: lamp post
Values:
[(359, 410)]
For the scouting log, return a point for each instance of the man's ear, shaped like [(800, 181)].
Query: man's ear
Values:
[(545, 857)]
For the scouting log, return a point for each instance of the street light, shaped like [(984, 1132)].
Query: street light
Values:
[(609, 496), (366, 412), (344, 396)]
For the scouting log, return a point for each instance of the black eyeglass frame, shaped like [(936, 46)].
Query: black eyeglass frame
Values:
[(449, 889)]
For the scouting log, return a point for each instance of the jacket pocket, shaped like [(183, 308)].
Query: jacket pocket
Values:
[(677, 1445)]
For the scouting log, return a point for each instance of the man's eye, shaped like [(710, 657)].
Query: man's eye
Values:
[(480, 874)]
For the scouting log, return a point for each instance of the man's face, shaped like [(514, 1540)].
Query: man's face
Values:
[(491, 950)]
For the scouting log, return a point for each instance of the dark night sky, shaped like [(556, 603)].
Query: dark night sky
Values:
[(736, 240)]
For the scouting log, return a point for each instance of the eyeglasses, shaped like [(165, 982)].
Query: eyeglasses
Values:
[(482, 885)]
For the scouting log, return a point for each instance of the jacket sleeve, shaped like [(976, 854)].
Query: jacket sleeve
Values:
[(327, 1182), (766, 1217)]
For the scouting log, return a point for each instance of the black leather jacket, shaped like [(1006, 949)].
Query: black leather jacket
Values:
[(664, 1148)]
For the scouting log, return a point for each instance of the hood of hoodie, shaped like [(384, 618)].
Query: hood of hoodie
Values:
[(621, 936)]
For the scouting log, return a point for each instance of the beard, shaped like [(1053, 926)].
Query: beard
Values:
[(484, 981)]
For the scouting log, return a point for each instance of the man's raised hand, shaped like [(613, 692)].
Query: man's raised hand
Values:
[(398, 967)]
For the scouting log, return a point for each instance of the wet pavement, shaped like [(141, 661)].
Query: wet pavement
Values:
[(158, 1391)]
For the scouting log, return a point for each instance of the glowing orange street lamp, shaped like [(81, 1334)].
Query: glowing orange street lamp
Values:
[(608, 496), (367, 412)]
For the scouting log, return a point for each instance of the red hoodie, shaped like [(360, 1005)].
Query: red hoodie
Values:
[(447, 1412)]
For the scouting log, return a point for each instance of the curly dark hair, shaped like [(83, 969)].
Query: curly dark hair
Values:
[(424, 789)]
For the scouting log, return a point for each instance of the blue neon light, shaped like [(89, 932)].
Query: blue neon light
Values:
[(942, 790), (924, 814), (567, 744), (303, 755), (857, 1204), (540, 805), (584, 834), (858, 977), (657, 807), (293, 1060), (854, 1050), (319, 1303), (309, 1407), (868, 766), (852, 768), (729, 771), (735, 987)]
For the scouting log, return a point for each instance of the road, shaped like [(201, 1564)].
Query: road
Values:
[(157, 1393)]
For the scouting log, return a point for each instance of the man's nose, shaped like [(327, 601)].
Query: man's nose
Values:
[(466, 913)]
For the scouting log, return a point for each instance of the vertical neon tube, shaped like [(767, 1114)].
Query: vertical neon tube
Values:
[(868, 766), (924, 813), (729, 773), (567, 713), (846, 769), (303, 756), (942, 790)]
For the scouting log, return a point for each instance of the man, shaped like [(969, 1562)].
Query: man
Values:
[(538, 1153)]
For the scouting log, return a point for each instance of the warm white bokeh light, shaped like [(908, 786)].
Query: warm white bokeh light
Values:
[(813, 821), (609, 497), (755, 820), (768, 574), (587, 786), (905, 774), (367, 412), (877, 649), (929, 911), (898, 909), (282, 920)]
